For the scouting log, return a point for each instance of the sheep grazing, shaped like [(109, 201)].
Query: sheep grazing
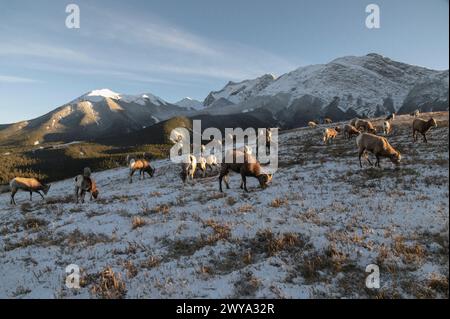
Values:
[(202, 164), (416, 113), (327, 120), (31, 185), (85, 185), (387, 128), (329, 134), (338, 129), (141, 165), (249, 167), (422, 127), (188, 169), (366, 126), (312, 124), (377, 145), (350, 130), (390, 117)]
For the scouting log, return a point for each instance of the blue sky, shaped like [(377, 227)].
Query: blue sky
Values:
[(175, 48)]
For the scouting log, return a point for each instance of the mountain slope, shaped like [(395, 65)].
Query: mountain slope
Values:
[(349, 86), (99, 113)]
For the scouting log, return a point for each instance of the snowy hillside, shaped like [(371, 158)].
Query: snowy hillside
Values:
[(310, 234), (238, 92)]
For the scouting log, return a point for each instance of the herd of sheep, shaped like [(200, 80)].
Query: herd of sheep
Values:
[(367, 141)]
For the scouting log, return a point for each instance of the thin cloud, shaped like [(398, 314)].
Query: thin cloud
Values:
[(16, 79)]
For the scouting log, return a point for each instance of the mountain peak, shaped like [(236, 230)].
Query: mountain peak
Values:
[(190, 103), (104, 93)]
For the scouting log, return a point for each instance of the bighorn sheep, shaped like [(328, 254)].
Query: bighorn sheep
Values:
[(143, 166), (338, 129), (327, 120), (387, 128), (329, 134), (365, 125), (353, 122), (31, 185), (211, 161), (312, 124), (350, 130), (377, 145), (390, 117), (416, 113), (422, 127), (202, 164), (85, 184), (188, 169), (247, 166)]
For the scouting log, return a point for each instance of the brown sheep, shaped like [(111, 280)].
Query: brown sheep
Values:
[(338, 129), (249, 168), (141, 165), (329, 134), (422, 127), (350, 130), (366, 126), (327, 120), (377, 145), (31, 185), (353, 122), (312, 124), (85, 185)]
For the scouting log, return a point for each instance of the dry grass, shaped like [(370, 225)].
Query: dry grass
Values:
[(278, 202), (221, 231), (137, 222), (131, 269), (151, 262), (109, 285)]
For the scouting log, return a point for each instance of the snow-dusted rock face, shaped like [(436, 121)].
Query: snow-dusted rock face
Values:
[(190, 104), (366, 85), (239, 92)]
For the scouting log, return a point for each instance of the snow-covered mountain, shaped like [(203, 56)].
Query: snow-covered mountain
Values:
[(236, 93), (190, 104), (96, 114), (348, 86)]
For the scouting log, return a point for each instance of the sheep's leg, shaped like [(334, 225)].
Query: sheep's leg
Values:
[(244, 181), (31, 196), (131, 176), (83, 194), (42, 196), (424, 138), (220, 183), (13, 193), (377, 163), (359, 157)]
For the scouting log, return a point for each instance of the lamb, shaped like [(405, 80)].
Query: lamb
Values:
[(422, 127), (249, 167), (416, 113), (31, 185), (329, 134), (143, 166), (377, 145), (386, 128), (365, 125), (350, 130), (312, 124), (188, 169), (85, 185)]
